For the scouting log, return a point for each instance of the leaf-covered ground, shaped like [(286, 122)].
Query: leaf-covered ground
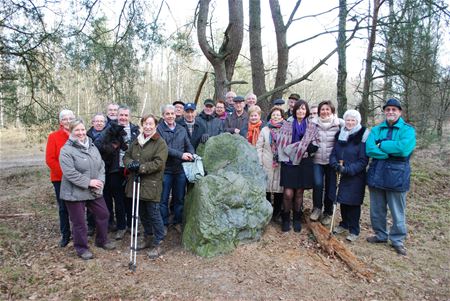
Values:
[(279, 267)]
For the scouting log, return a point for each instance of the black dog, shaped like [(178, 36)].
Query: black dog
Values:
[(113, 141)]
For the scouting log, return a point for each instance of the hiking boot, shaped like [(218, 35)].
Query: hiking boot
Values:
[(296, 221), (145, 243), (325, 220), (86, 255), (352, 237), (64, 242), (339, 229), (315, 214), (286, 221), (155, 252), (120, 234), (375, 240), (400, 250), (108, 246)]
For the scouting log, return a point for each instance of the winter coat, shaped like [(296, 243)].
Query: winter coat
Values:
[(178, 142), (80, 166), (265, 157), (326, 139), (197, 133), (353, 180), (55, 142), (152, 158), (390, 168), (93, 134), (212, 125), (234, 121), (110, 154)]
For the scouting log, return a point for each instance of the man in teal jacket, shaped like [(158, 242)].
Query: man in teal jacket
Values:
[(390, 145)]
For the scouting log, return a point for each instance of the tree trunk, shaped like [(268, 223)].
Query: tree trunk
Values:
[(256, 55), (387, 88), (282, 47), (364, 106), (342, 57), (224, 60)]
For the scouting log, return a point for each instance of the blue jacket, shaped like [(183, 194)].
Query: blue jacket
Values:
[(178, 142), (389, 168), (353, 179), (213, 126)]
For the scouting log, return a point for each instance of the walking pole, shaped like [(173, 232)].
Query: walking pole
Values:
[(134, 223), (338, 179)]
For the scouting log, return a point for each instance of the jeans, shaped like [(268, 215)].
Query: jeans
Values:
[(177, 184), (115, 187), (77, 212), (324, 175), (64, 224), (380, 200), (350, 218), (152, 221)]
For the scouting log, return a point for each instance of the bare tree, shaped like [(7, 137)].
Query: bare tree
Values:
[(224, 59), (342, 58)]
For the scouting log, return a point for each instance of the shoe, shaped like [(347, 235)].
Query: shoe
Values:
[(375, 240), (120, 234), (90, 231), (145, 243), (400, 250), (108, 246), (286, 221), (339, 230), (64, 242), (86, 255), (315, 214), (352, 237), (296, 221), (325, 220), (155, 252)]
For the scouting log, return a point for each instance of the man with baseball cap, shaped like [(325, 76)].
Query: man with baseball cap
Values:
[(237, 123), (212, 125), (390, 145), (189, 121)]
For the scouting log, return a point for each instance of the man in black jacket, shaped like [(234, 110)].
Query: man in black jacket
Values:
[(213, 125), (194, 128), (180, 149)]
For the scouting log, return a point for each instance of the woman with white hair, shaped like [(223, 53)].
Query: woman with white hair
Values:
[(349, 158), (55, 142)]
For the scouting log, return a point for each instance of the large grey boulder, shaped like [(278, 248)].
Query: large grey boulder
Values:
[(228, 206)]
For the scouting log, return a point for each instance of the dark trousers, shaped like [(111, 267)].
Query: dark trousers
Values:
[(77, 213), (350, 218), (64, 224), (177, 184), (324, 176), (151, 219), (114, 186)]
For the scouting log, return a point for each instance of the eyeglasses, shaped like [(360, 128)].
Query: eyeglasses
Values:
[(68, 119)]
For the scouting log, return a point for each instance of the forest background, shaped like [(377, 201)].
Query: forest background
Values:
[(85, 54)]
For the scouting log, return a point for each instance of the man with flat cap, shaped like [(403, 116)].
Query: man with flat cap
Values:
[(390, 145), (179, 110), (237, 123), (293, 98)]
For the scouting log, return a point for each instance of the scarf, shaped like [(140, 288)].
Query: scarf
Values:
[(253, 132), (142, 139), (274, 128), (298, 130), (344, 133), (190, 126), (294, 152), (84, 144)]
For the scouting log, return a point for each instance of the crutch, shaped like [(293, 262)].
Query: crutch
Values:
[(134, 223), (338, 179)]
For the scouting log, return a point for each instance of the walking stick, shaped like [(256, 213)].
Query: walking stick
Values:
[(134, 223), (338, 179)]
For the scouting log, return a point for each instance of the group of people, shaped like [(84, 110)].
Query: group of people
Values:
[(302, 148)]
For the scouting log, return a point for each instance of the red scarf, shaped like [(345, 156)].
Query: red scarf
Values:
[(253, 132)]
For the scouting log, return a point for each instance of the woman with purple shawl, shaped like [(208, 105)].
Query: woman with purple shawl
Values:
[(296, 147)]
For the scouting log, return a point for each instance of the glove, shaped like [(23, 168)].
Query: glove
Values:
[(341, 169), (134, 166), (204, 138)]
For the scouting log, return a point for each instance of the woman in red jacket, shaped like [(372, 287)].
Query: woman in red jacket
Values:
[(55, 142)]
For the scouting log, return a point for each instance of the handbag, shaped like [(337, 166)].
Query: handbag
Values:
[(194, 169)]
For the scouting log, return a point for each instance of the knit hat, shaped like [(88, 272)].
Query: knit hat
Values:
[(392, 103)]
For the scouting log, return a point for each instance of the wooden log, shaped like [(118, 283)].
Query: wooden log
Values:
[(12, 215), (335, 247)]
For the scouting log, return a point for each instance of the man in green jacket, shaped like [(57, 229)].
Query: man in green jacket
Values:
[(390, 145)]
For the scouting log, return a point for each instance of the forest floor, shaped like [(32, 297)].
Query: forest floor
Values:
[(278, 267)]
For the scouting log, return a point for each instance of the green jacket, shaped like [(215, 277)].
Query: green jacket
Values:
[(152, 157)]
